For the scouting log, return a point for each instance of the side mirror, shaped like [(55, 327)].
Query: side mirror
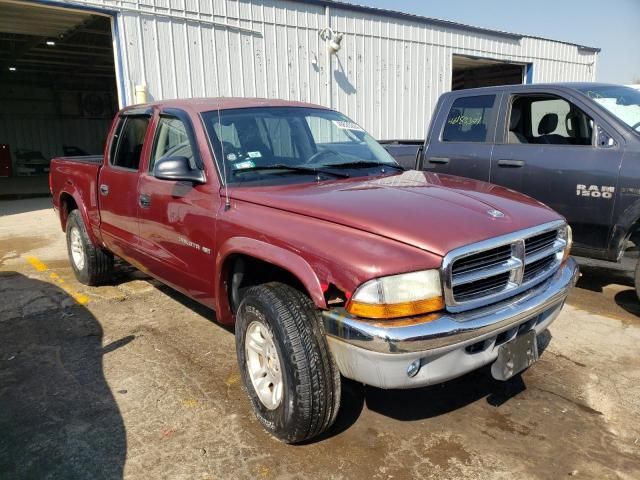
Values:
[(604, 139), (177, 169), (418, 162)]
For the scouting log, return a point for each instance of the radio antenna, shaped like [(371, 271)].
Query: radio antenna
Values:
[(227, 201)]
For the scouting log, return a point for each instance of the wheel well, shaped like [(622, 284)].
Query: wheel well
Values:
[(634, 235), (67, 205), (631, 245), (244, 271)]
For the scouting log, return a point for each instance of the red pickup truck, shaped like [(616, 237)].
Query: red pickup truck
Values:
[(292, 223)]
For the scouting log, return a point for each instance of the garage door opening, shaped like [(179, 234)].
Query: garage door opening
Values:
[(471, 72), (57, 90)]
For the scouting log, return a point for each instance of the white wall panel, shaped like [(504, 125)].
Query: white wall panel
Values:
[(387, 77)]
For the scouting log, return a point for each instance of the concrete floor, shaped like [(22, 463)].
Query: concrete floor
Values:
[(134, 380)]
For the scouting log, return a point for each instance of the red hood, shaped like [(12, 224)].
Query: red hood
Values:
[(433, 212)]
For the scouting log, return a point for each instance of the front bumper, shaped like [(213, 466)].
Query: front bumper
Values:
[(445, 345)]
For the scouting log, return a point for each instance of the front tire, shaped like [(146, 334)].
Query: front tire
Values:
[(91, 264), (287, 369), (637, 280)]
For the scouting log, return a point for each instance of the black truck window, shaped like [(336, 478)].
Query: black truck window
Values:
[(130, 140), (171, 141), (468, 119), (548, 120)]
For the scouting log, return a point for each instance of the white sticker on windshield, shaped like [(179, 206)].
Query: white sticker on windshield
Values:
[(242, 165), (254, 154), (347, 125)]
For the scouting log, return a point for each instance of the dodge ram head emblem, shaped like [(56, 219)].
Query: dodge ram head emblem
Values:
[(495, 213)]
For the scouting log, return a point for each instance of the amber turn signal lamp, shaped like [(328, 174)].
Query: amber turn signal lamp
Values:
[(395, 310)]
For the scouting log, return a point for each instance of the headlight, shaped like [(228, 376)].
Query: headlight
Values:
[(566, 234), (398, 296)]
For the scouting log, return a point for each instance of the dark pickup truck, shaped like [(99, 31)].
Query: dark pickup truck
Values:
[(297, 227), (573, 146)]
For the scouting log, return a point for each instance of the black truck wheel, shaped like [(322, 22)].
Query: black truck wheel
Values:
[(289, 374), (91, 264), (638, 279)]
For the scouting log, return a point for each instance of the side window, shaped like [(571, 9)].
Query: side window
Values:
[(548, 120), (468, 119), (130, 140), (171, 141)]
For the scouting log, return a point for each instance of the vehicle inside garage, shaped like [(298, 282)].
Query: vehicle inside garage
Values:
[(471, 72), (57, 90)]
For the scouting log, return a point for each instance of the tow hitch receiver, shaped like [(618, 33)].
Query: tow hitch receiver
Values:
[(515, 356)]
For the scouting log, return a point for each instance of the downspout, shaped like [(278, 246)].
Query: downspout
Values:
[(328, 63)]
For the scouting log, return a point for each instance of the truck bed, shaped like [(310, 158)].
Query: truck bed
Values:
[(76, 179), (95, 159), (403, 151)]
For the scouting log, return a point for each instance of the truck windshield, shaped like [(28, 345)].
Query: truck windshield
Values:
[(269, 143), (623, 102)]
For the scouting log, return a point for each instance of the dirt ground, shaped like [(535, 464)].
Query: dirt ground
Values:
[(134, 380)]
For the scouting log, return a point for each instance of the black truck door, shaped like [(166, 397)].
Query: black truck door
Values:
[(547, 147), (462, 134)]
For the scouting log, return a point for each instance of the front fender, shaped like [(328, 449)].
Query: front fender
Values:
[(622, 228), (267, 252)]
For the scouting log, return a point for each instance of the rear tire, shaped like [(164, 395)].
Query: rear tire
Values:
[(91, 264), (294, 383)]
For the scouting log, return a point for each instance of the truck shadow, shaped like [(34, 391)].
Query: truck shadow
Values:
[(596, 278), (15, 207), (58, 416), (436, 400), (427, 402)]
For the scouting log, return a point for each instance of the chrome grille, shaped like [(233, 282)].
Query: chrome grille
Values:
[(495, 269)]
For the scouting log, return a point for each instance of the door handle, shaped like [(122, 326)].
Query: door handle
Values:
[(104, 189), (442, 160), (145, 200), (511, 163)]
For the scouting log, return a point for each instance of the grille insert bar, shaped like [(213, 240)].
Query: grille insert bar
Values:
[(495, 269)]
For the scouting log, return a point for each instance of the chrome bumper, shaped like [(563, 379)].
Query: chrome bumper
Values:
[(442, 346)]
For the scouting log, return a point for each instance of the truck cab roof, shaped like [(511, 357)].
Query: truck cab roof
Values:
[(197, 105), (573, 86)]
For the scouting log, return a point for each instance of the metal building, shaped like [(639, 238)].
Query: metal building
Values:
[(69, 60)]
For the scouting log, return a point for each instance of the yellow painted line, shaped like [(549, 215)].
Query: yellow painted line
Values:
[(37, 264), (73, 293)]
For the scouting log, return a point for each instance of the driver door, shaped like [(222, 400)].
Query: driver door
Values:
[(548, 148), (177, 219)]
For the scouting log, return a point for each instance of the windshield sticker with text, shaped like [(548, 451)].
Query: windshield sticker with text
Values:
[(243, 165), (347, 125), (464, 120)]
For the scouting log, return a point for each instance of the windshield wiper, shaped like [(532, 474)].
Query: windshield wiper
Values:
[(363, 164), (292, 169)]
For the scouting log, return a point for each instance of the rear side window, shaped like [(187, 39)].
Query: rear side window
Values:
[(469, 119), (171, 141), (129, 140)]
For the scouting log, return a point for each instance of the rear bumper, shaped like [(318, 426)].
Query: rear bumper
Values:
[(445, 345)]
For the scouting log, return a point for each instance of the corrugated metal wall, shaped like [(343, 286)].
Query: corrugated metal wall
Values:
[(387, 76), (48, 135), (30, 119)]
